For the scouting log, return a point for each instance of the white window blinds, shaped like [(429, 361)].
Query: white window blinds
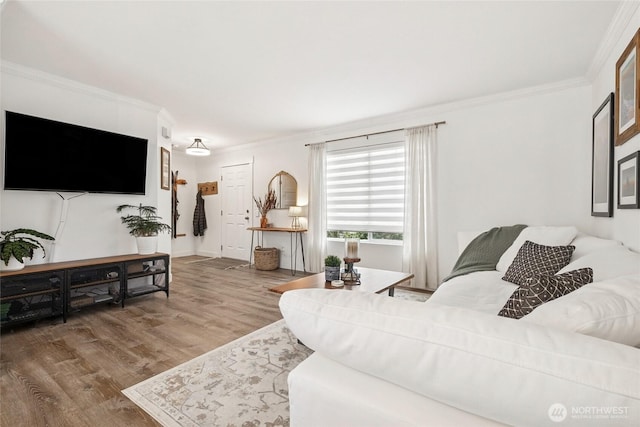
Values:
[(365, 188)]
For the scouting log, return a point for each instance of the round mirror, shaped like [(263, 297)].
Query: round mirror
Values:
[(286, 189)]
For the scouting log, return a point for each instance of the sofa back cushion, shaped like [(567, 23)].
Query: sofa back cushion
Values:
[(607, 263), (586, 244), (608, 309)]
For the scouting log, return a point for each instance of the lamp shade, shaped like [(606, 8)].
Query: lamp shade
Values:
[(295, 211)]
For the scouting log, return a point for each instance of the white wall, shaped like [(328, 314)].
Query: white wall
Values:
[(522, 157), (625, 224), (93, 227), (518, 161)]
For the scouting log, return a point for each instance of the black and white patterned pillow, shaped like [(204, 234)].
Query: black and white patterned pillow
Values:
[(540, 289), (535, 260)]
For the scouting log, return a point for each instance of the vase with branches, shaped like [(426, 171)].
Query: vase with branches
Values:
[(265, 206)]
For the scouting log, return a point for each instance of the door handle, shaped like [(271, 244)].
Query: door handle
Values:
[(247, 218)]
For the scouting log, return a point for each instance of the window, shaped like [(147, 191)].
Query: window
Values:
[(365, 190)]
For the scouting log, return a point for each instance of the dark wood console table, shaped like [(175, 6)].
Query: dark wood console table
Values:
[(54, 289), (293, 233)]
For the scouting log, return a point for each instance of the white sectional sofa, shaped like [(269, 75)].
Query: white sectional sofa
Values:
[(452, 361)]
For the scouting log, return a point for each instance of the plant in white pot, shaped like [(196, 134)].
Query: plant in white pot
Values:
[(15, 245), (145, 226)]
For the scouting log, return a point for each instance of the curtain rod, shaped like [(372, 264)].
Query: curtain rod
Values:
[(436, 124)]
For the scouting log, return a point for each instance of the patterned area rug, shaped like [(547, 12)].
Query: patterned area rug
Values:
[(243, 383)]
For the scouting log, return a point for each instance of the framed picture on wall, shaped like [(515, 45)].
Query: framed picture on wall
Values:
[(628, 177), (165, 168), (602, 160), (627, 111)]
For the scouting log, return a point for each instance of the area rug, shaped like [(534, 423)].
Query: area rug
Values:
[(243, 383)]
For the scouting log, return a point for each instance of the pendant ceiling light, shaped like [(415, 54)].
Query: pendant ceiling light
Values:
[(198, 148)]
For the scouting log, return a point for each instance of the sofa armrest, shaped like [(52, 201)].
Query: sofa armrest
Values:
[(499, 368)]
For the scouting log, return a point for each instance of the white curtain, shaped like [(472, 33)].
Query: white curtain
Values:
[(317, 210), (420, 226)]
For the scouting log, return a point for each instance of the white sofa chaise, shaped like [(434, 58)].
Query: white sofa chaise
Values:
[(453, 361)]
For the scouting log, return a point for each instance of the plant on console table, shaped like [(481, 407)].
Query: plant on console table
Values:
[(332, 268), (15, 245), (264, 207), (145, 226)]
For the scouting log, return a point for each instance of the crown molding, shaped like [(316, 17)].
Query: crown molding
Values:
[(614, 32), (163, 114), (67, 84), (408, 119)]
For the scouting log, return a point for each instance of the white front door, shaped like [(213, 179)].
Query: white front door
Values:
[(236, 207)]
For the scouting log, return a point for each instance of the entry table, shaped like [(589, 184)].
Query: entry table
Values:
[(295, 234)]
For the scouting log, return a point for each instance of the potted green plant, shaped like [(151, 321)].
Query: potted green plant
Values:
[(15, 245), (145, 225), (332, 268)]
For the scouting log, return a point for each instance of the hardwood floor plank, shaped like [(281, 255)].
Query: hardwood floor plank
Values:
[(71, 374)]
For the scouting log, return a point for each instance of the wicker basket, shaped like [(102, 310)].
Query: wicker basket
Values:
[(266, 258)]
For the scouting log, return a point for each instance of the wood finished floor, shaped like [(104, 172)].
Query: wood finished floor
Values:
[(71, 374)]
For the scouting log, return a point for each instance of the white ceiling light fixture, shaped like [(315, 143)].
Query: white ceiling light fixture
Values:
[(198, 148)]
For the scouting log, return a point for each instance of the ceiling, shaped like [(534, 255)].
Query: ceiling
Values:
[(239, 72)]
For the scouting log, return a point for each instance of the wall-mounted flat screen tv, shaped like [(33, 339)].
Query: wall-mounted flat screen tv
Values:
[(47, 155)]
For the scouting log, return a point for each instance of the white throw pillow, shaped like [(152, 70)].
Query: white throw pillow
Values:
[(586, 244), (542, 235), (607, 263), (609, 310)]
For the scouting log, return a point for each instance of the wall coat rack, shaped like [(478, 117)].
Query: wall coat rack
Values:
[(174, 203), (208, 188)]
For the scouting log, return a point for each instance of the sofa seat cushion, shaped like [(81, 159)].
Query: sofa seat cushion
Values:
[(466, 359), (324, 393), (483, 291), (608, 309)]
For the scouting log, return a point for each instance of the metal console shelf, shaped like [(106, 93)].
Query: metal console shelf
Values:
[(56, 289), (293, 241)]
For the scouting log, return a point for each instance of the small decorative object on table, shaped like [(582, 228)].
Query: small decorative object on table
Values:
[(269, 203), (332, 268), (351, 249)]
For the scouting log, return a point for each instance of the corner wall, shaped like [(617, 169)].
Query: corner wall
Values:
[(625, 223)]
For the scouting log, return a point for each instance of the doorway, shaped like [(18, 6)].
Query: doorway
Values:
[(236, 211)]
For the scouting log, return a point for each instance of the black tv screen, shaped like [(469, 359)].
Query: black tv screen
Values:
[(47, 155)]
